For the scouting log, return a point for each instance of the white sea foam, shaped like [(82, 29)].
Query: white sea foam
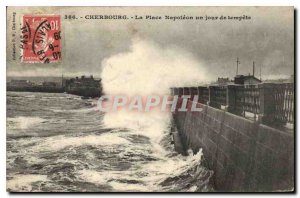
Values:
[(23, 183), (60, 142), (32, 159), (111, 178), (82, 110), (172, 166), (148, 175), (30, 96), (125, 187), (23, 122), (92, 176), (150, 124)]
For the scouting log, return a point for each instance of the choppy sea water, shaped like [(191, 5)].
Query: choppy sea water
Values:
[(60, 143)]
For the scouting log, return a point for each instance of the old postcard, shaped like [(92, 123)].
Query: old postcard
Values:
[(150, 99)]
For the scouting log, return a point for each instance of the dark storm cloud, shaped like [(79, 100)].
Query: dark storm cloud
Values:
[(267, 39)]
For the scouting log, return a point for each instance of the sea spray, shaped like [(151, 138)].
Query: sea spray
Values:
[(149, 69)]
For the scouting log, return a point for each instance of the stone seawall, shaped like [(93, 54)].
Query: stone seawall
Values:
[(244, 155)]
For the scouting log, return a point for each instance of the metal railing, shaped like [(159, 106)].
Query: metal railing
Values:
[(270, 103)]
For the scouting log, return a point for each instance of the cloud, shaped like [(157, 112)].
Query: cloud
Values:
[(215, 43)]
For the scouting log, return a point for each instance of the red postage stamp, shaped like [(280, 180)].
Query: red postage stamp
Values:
[(41, 39)]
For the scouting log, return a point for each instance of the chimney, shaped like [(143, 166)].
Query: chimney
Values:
[(253, 68), (237, 65)]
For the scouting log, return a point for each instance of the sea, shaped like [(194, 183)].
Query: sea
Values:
[(57, 142)]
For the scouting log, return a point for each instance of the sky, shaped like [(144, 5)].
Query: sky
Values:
[(267, 38)]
